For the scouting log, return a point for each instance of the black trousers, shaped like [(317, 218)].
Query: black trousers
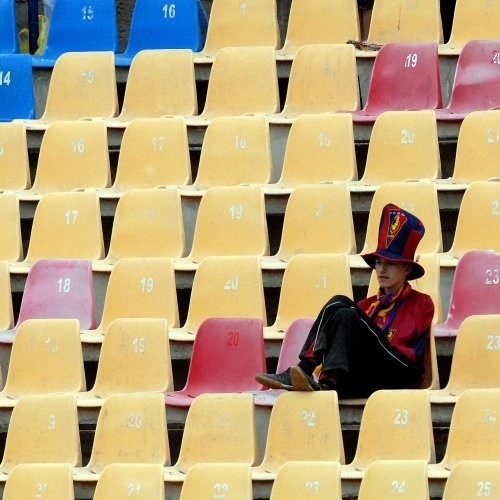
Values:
[(349, 344)]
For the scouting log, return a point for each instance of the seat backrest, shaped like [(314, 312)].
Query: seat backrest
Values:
[(236, 150), (320, 21), (302, 479), (66, 226), (73, 155), (147, 223), (242, 80), (309, 281), (170, 79), (54, 351), (59, 288), (303, 426), (320, 148), (473, 431), (215, 480), (131, 428), (478, 217), (134, 357), (403, 21), (293, 341), (231, 220), (14, 161), (17, 92), (53, 481), (83, 84), (396, 424), (139, 481), (478, 147), (476, 85), (227, 353), (233, 24), (11, 243), (318, 219), (395, 479), (419, 198), (153, 152), (6, 310), (472, 478), (323, 78), (411, 135), (405, 76), (43, 429), (9, 41), (475, 361), (226, 287), (141, 288), (219, 428)]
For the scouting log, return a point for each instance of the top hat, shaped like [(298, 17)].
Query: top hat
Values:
[(398, 236)]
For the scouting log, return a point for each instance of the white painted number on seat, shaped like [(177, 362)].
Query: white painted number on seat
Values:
[(401, 417), (4, 78), (169, 11), (411, 60)]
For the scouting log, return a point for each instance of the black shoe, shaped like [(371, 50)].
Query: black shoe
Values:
[(276, 380), (301, 381)]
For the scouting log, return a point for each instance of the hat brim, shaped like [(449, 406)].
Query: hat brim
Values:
[(417, 270)]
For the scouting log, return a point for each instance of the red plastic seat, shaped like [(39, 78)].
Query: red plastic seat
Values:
[(475, 290), (405, 76), (227, 353), (477, 81)]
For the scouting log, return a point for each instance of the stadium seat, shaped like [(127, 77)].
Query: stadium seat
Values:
[(236, 150), (17, 92), (162, 26), (395, 479), (474, 364), (223, 287), (227, 353), (168, 76), (54, 481), (411, 135), (319, 22), (231, 220), (73, 156), (14, 160), (405, 76), (138, 288), (309, 281), (473, 478), (478, 271), (46, 358), (218, 479), (323, 79), (233, 24), (318, 219), (319, 148), (477, 80), (139, 481), (134, 357), (11, 244), (9, 41), (42, 429), (147, 223), (6, 309), (219, 428), (76, 26)]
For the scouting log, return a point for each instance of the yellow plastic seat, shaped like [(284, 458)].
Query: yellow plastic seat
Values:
[(395, 479), (223, 287), (309, 281), (320, 148), (473, 478), (138, 481), (47, 481), (218, 480), (11, 244), (134, 357), (307, 479), (42, 429), (318, 219), (411, 135), (6, 309), (233, 24), (14, 161)]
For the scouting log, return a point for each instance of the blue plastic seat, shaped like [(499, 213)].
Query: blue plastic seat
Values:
[(9, 42), (159, 25), (17, 95), (77, 26)]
